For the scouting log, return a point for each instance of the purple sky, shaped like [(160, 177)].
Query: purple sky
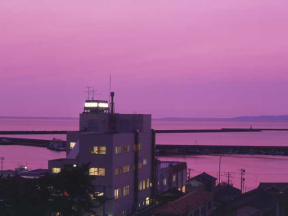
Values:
[(169, 58)]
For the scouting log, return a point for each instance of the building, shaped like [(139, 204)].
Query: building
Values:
[(119, 148), (171, 174), (203, 181), (195, 203)]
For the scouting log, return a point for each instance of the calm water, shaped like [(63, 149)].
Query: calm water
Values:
[(258, 168)]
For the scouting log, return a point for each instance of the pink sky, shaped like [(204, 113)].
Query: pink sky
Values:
[(169, 58)]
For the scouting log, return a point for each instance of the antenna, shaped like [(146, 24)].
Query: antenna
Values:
[(109, 90), (89, 92)]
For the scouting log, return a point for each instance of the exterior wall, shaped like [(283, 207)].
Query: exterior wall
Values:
[(96, 133)]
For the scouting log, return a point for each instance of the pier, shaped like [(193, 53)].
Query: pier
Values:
[(167, 150)]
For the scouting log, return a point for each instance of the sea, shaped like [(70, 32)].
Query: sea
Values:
[(258, 168)]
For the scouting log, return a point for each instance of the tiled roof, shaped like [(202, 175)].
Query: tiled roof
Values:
[(203, 177), (180, 206)]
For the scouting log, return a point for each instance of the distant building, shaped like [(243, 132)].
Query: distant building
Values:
[(195, 203), (37, 173), (119, 148), (171, 174), (203, 181)]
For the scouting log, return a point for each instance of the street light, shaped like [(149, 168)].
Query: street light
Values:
[(219, 170)]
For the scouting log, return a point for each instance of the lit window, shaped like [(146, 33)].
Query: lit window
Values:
[(140, 185), (164, 181), (126, 148), (145, 162), (139, 146), (96, 194), (126, 169), (124, 213), (147, 200), (118, 149), (126, 190), (117, 193), (179, 189), (144, 185), (183, 189), (72, 144), (147, 183), (97, 150), (118, 171), (97, 171), (150, 184), (56, 170), (139, 165), (174, 178)]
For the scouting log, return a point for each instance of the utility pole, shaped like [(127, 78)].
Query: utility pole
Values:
[(229, 176), (189, 171), (219, 170), (2, 162), (242, 179)]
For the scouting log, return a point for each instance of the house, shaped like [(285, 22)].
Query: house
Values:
[(195, 203), (268, 199), (203, 181), (171, 174)]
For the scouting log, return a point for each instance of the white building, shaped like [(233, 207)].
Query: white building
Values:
[(119, 149)]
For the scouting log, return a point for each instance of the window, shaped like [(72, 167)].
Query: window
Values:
[(72, 144), (139, 147), (126, 148), (97, 150), (117, 193), (124, 213), (147, 183), (139, 165), (56, 170), (97, 171), (126, 190), (174, 178), (144, 185), (118, 171), (164, 181), (118, 149), (147, 200), (145, 162), (183, 189), (140, 185), (126, 169)]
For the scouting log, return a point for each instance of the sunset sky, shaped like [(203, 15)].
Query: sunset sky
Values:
[(187, 58)]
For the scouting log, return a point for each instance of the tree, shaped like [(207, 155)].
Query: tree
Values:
[(68, 192)]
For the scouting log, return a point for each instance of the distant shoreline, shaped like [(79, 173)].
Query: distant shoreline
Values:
[(280, 118)]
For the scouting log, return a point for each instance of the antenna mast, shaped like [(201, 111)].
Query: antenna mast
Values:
[(109, 91), (2, 162)]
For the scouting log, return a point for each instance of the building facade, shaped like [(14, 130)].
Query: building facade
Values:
[(118, 148)]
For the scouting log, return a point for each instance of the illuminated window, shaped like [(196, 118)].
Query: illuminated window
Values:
[(150, 184), (183, 189), (97, 171), (147, 201), (56, 170), (164, 181), (72, 144), (147, 183), (97, 150), (140, 185), (126, 148), (118, 171), (139, 165), (145, 162), (96, 194), (124, 213), (126, 169), (118, 149), (139, 146), (126, 190), (144, 185), (174, 178), (117, 193)]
